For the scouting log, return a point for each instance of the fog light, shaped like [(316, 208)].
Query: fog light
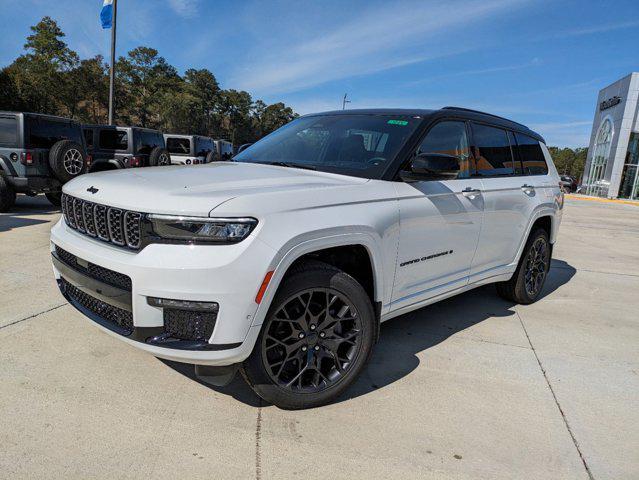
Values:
[(183, 304)]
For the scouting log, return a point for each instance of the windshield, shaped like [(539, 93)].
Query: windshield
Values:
[(356, 145)]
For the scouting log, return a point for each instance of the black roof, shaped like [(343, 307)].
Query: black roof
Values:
[(466, 113)]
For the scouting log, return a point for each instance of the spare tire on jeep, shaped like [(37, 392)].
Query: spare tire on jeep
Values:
[(67, 160), (211, 157), (159, 156)]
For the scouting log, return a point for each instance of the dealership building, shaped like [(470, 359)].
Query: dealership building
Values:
[(613, 156)]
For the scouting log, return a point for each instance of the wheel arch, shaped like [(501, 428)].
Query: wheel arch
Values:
[(331, 249), (545, 218)]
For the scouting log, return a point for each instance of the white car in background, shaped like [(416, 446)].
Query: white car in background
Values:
[(284, 262), (190, 149)]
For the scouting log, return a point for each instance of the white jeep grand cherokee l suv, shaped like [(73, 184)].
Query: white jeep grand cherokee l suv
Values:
[(284, 261)]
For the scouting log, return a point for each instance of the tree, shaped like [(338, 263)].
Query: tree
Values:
[(568, 161), (146, 78), (203, 87), (50, 78)]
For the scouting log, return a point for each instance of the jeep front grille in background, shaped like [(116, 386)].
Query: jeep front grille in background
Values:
[(116, 279), (189, 325), (114, 225), (113, 315)]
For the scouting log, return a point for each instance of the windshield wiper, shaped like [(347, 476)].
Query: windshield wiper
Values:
[(291, 165)]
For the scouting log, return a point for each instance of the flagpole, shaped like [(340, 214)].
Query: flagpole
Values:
[(112, 72)]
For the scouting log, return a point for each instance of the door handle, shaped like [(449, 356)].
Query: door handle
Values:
[(470, 192), (527, 188)]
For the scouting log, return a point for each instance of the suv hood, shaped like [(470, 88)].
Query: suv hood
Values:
[(197, 189)]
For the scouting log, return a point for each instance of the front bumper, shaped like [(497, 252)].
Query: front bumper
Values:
[(36, 184), (227, 274)]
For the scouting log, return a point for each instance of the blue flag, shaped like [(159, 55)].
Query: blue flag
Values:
[(106, 14)]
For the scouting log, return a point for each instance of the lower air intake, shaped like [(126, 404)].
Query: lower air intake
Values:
[(189, 325)]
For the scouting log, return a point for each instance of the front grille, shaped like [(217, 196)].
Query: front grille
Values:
[(117, 317), (102, 274), (113, 225), (189, 325)]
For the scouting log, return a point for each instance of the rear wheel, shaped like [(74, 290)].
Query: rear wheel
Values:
[(527, 282), (316, 339), (210, 157), (159, 157), (7, 195)]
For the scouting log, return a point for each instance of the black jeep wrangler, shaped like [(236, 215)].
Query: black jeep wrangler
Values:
[(38, 154), (112, 147)]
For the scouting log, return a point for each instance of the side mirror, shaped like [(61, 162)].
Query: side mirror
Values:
[(431, 166)]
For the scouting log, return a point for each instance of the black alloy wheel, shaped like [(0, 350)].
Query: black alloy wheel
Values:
[(316, 338), (536, 266), (312, 340), (527, 282)]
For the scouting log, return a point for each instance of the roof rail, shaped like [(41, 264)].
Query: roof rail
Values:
[(484, 113)]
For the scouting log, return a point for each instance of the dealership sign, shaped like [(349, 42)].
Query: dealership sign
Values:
[(611, 102)]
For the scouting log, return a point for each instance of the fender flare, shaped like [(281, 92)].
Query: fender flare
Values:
[(542, 210), (6, 168), (296, 248)]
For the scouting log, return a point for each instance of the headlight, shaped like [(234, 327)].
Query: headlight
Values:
[(200, 229)]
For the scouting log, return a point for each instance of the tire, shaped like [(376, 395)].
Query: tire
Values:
[(67, 160), (159, 157), (210, 157), (7, 195), (527, 282), (311, 362), (55, 198)]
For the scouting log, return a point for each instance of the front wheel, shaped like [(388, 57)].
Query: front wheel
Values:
[(55, 198), (316, 339), (527, 282), (7, 195)]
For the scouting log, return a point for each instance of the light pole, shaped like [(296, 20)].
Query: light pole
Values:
[(344, 101), (112, 72)]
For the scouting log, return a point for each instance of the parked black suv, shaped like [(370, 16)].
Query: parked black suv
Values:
[(38, 154), (114, 147)]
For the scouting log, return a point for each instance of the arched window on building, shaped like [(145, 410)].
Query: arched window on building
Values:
[(597, 185)]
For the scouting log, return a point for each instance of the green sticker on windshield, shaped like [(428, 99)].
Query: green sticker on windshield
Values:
[(403, 123)]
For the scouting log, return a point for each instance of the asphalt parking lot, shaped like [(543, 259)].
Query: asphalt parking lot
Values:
[(470, 388)]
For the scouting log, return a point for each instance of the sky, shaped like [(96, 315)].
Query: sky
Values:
[(539, 62)]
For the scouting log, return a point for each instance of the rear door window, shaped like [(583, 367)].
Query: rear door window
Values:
[(531, 154), (493, 156), (8, 131), (147, 141), (45, 132), (178, 146), (204, 146), (112, 139), (88, 137)]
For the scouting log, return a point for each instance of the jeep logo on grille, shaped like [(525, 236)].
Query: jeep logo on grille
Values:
[(92, 189)]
